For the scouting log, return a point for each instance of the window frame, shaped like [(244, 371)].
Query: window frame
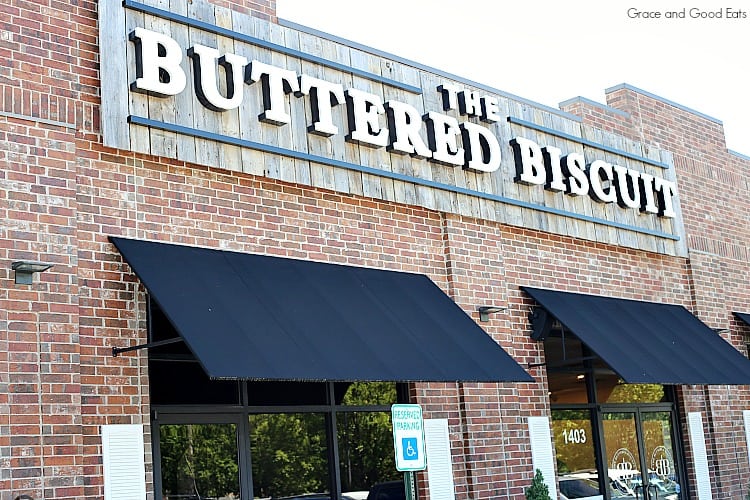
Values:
[(239, 415)]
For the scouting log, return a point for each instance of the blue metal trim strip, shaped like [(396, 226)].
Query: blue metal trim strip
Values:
[(217, 30), (234, 141), (585, 142)]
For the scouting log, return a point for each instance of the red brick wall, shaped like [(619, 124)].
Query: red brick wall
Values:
[(264, 9), (40, 397)]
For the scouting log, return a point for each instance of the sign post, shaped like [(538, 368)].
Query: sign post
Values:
[(408, 443)]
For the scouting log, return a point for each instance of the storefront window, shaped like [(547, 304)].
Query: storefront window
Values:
[(574, 440), (366, 453), (289, 454), (567, 371), (365, 439), (199, 461)]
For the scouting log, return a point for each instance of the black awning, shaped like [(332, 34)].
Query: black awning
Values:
[(259, 317), (744, 317), (646, 342)]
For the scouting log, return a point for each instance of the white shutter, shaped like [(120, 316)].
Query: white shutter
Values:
[(746, 418), (698, 443), (123, 459), (541, 451), (439, 462)]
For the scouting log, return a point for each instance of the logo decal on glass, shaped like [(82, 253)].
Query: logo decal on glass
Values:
[(625, 463)]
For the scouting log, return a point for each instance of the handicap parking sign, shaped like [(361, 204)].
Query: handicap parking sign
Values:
[(410, 450), (408, 437)]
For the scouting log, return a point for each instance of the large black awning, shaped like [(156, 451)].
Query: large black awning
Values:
[(745, 317), (646, 342), (259, 317)]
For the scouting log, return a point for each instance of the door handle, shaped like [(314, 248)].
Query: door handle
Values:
[(656, 491), (637, 489)]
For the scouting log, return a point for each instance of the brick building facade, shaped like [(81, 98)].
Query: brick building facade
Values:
[(64, 193)]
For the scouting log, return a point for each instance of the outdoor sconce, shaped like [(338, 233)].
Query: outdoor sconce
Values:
[(485, 311), (25, 270)]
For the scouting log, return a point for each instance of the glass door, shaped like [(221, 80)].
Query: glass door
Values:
[(660, 454), (640, 454), (622, 454)]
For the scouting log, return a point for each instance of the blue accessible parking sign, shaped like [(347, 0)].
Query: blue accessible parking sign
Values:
[(410, 450), (408, 437)]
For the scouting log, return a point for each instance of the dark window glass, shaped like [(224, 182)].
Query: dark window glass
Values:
[(181, 382), (565, 370), (199, 461), (286, 393)]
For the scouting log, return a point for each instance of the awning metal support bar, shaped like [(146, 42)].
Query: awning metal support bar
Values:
[(119, 350), (564, 362)]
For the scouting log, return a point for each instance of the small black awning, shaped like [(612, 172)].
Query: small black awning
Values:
[(646, 342), (744, 317), (259, 317)]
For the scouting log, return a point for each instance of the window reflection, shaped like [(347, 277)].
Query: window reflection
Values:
[(289, 454), (573, 440), (365, 451), (636, 393), (199, 461), (365, 393)]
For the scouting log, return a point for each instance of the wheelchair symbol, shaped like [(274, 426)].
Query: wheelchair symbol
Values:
[(409, 447)]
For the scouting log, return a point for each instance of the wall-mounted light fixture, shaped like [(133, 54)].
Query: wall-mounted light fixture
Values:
[(485, 311), (721, 331), (25, 270)]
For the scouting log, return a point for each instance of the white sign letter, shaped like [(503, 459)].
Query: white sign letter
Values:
[(529, 161), (323, 97), (598, 193), (646, 186), (363, 111), (665, 191), (276, 83), (573, 166), (554, 169), (628, 194), (160, 75), (442, 132), (450, 96), (205, 62), (404, 124), (482, 149)]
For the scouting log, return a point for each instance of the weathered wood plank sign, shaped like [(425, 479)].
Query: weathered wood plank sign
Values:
[(208, 86)]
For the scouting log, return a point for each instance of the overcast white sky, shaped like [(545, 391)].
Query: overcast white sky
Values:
[(549, 51)]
